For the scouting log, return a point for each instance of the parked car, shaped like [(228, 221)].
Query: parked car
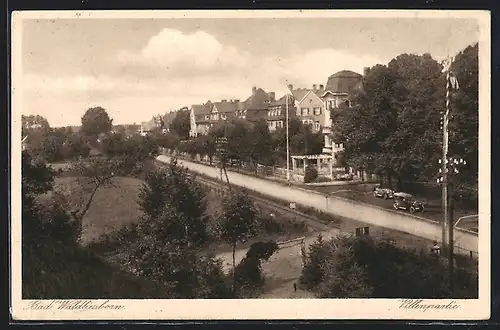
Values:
[(385, 193), (404, 201)]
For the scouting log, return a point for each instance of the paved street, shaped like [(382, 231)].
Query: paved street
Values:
[(345, 208), (433, 208)]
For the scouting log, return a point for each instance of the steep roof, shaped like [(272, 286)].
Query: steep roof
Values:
[(259, 101), (226, 106), (343, 81), (202, 109), (282, 101), (300, 93)]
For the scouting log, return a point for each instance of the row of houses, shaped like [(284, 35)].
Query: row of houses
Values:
[(311, 105)]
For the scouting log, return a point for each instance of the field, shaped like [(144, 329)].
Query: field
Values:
[(112, 206)]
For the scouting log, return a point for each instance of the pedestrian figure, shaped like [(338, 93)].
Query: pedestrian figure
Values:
[(435, 249), (295, 287)]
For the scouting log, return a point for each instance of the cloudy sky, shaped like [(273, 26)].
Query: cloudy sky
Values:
[(136, 68)]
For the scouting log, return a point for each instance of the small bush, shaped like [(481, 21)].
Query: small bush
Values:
[(310, 175), (270, 225)]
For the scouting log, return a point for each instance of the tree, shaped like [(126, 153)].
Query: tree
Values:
[(181, 124), (77, 146), (36, 128), (205, 146), (44, 227), (312, 273), (248, 273), (93, 174), (239, 223), (239, 139), (173, 188), (416, 144), (96, 121), (393, 128), (34, 124), (464, 127), (301, 139), (162, 256), (167, 245), (261, 143)]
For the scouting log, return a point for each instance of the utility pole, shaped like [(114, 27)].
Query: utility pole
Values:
[(444, 158), (287, 142), (446, 175)]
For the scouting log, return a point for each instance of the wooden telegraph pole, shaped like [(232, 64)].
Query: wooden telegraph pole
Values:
[(446, 175)]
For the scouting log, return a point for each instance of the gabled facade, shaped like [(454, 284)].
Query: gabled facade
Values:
[(224, 110), (149, 126), (309, 107), (276, 114), (256, 106), (199, 116)]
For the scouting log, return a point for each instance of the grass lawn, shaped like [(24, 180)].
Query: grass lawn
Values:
[(111, 208)]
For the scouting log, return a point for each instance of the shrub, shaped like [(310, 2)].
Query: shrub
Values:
[(310, 175), (366, 267), (312, 273), (248, 273)]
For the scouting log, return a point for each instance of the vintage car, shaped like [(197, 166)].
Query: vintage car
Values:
[(404, 201), (385, 193)]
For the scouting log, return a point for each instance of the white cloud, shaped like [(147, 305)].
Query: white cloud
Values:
[(176, 51)]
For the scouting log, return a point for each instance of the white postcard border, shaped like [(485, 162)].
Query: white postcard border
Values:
[(471, 309)]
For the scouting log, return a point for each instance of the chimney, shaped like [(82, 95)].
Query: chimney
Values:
[(366, 71), (254, 90), (224, 101), (314, 87), (290, 87), (237, 101), (272, 96)]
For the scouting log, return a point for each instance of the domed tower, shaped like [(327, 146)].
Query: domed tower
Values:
[(335, 96)]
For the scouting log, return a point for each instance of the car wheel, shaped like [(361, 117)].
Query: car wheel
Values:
[(395, 206), (386, 196), (412, 209)]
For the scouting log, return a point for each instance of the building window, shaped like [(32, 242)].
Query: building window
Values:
[(317, 126), (223, 116), (279, 112), (305, 111), (206, 117), (317, 111)]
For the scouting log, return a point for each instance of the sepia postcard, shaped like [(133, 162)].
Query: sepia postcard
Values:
[(224, 165)]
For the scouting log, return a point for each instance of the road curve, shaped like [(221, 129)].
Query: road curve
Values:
[(337, 206)]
